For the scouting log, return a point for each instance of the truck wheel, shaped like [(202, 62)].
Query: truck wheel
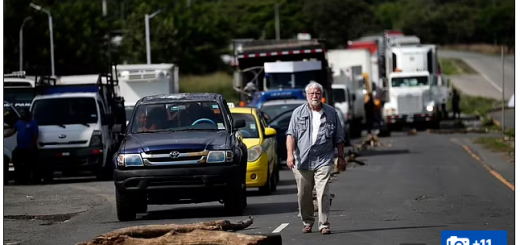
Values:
[(234, 200), (124, 208)]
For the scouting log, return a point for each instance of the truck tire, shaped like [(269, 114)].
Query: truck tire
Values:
[(234, 202), (125, 210)]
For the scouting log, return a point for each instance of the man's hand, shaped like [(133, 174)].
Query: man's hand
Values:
[(342, 164), (290, 161)]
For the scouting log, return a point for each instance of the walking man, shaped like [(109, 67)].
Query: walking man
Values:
[(313, 134), (26, 145)]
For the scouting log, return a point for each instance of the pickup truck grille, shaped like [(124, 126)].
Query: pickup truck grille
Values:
[(174, 158), (409, 104), (156, 152)]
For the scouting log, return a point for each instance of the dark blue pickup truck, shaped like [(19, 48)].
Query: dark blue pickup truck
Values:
[(180, 148)]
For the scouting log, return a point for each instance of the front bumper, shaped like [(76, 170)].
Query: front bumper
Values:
[(257, 172), (87, 158), (410, 119), (185, 182)]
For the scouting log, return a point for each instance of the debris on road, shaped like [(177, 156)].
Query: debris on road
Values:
[(213, 232)]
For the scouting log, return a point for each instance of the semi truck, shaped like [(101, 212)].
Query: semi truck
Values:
[(266, 65), (417, 89)]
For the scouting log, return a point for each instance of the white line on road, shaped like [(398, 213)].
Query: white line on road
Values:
[(280, 228), (484, 76)]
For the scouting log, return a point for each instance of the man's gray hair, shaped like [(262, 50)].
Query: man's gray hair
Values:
[(312, 85)]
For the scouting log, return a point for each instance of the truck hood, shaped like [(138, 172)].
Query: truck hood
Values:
[(73, 135), (181, 140)]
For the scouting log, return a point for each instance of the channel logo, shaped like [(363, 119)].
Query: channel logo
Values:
[(484, 237)]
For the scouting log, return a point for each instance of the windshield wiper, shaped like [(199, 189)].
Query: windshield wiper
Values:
[(189, 129), (86, 124), (61, 125)]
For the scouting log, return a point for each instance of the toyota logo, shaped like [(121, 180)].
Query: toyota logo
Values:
[(174, 154), (62, 136)]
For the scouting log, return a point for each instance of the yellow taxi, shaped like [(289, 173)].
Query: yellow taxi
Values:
[(262, 157)]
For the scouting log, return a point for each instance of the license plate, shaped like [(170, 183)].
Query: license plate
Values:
[(409, 119)]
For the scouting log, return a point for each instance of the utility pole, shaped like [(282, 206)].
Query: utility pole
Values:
[(21, 41), (147, 33), (503, 94), (277, 20), (104, 3)]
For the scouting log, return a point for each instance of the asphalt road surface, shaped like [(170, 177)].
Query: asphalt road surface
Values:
[(408, 192), (488, 82)]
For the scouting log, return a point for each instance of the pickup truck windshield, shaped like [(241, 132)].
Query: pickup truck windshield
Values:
[(178, 116), (409, 81), (63, 111), (291, 80)]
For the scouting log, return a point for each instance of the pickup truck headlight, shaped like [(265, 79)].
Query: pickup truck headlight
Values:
[(219, 156), (254, 153), (95, 140), (129, 160)]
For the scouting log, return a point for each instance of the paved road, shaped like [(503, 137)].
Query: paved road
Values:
[(408, 192), (489, 83)]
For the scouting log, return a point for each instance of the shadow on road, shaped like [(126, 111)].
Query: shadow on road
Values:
[(383, 152), (388, 228), (217, 211)]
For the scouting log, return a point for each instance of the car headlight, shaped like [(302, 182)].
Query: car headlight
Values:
[(129, 160), (254, 153), (95, 140), (219, 156)]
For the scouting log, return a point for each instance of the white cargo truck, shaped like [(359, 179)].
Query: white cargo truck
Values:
[(139, 80)]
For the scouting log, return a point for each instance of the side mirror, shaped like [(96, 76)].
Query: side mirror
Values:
[(270, 132), (275, 127), (239, 123), (353, 97), (117, 128), (6, 126)]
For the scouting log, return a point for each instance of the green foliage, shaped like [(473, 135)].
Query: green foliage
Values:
[(195, 37)]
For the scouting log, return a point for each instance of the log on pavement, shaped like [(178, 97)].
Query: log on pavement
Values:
[(203, 233)]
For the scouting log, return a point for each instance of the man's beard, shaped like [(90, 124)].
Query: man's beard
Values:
[(315, 102)]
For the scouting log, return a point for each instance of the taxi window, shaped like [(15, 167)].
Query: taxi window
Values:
[(251, 129)]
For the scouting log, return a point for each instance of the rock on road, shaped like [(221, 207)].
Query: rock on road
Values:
[(407, 193)]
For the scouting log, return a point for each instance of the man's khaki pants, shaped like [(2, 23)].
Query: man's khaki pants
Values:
[(306, 180)]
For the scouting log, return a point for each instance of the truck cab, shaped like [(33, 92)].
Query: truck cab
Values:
[(74, 123), (410, 99)]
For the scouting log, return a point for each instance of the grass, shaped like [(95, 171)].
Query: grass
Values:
[(219, 82), (496, 144), (452, 66), (469, 105)]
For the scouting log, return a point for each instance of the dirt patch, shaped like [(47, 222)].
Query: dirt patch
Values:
[(52, 218)]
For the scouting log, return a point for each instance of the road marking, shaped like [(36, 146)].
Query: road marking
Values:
[(484, 76), (488, 168), (280, 228)]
